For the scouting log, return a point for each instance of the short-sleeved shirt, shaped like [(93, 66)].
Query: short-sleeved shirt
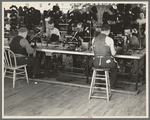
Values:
[(49, 32)]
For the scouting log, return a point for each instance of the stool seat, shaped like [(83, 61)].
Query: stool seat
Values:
[(98, 68), (100, 78)]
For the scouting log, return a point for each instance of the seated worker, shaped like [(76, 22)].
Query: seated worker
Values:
[(77, 37), (80, 33), (53, 36), (52, 33), (21, 48), (104, 50)]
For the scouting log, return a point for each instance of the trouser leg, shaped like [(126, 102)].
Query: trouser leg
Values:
[(32, 61), (90, 65), (108, 63), (113, 76), (36, 65)]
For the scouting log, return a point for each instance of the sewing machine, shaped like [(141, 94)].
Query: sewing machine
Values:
[(74, 41)]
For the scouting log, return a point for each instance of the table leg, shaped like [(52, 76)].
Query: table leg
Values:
[(144, 67), (87, 71), (137, 80), (61, 59), (45, 65)]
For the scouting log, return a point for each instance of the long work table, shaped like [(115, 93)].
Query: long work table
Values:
[(137, 56), (60, 49)]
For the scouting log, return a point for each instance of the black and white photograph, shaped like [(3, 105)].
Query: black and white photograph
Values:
[(75, 59)]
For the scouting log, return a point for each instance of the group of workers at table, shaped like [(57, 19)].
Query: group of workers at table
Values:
[(102, 45)]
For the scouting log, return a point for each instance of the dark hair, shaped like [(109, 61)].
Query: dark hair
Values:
[(105, 27), (50, 21), (56, 8), (54, 38)]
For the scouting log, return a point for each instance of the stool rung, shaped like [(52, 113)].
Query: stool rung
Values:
[(99, 88), (99, 91), (99, 97), (100, 78), (101, 70), (100, 75), (100, 83)]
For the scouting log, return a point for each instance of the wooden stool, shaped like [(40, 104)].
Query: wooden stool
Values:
[(104, 78)]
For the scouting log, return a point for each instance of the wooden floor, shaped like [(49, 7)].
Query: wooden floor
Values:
[(53, 100)]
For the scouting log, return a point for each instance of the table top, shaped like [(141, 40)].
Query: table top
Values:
[(138, 54)]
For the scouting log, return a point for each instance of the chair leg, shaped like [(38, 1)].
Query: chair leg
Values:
[(5, 72), (93, 79), (14, 78), (26, 75)]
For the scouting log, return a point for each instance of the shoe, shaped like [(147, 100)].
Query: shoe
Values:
[(39, 76)]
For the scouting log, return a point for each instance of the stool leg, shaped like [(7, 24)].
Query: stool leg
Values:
[(106, 77), (94, 77), (93, 84), (109, 85), (93, 81)]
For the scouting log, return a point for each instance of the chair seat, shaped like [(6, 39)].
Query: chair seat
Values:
[(13, 67), (100, 68)]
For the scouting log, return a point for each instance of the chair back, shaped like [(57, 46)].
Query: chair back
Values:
[(9, 58)]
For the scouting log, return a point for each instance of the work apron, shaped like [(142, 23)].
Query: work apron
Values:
[(104, 61)]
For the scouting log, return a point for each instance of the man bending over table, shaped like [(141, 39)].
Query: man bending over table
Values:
[(21, 48)]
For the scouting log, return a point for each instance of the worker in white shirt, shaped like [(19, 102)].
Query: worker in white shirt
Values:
[(53, 37), (142, 19), (52, 33), (141, 30)]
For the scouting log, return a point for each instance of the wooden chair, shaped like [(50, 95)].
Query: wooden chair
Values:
[(100, 78), (11, 67)]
